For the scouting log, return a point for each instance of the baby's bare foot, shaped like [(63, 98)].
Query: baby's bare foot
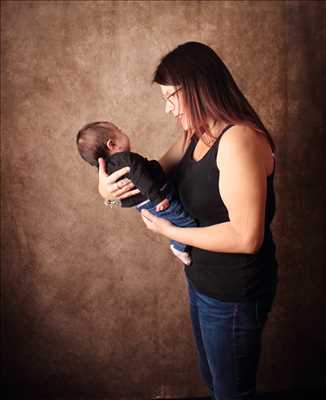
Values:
[(163, 205), (183, 256)]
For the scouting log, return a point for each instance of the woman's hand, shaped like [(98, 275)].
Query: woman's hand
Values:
[(108, 186), (156, 224)]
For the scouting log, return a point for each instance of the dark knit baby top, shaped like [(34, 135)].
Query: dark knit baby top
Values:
[(146, 175)]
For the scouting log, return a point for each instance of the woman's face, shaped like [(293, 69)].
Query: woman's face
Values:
[(172, 96)]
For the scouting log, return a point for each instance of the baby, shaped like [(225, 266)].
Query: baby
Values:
[(104, 139)]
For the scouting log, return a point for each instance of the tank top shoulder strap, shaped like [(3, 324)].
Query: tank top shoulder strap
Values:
[(191, 146), (217, 143)]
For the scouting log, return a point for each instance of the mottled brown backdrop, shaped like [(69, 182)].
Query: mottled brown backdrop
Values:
[(92, 302)]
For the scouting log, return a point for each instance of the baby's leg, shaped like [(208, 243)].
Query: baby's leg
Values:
[(183, 256)]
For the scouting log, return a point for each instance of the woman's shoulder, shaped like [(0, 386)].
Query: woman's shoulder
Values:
[(242, 136), (242, 140)]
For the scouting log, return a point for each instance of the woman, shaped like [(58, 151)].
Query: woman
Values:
[(223, 168)]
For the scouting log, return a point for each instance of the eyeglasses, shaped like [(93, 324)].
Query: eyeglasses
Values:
[(170, 96)]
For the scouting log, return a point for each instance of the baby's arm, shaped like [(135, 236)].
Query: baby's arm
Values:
[(144, 181)]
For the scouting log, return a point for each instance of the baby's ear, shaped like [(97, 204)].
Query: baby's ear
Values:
[(110, 144)]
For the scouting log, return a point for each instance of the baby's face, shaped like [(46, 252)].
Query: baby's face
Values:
[(121, 142)]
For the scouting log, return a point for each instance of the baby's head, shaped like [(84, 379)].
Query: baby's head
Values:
[(101, 139)]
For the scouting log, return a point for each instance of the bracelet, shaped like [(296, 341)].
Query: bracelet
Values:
[(112, 203)]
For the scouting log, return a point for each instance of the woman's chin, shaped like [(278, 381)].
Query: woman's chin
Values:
[(183, 123)]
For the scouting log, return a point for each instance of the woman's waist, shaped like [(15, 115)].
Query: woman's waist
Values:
[(266, 254)]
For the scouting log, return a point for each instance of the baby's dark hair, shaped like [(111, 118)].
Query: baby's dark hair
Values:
[(92, 141)]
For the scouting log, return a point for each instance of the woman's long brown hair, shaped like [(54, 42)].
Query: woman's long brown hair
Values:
[(208, 88)]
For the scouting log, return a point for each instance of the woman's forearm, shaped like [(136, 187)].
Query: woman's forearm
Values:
[(166, 164), (216, 238), (172, 157)]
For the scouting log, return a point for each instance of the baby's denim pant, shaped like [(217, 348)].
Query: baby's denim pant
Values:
[(175, 214), (228, 338)]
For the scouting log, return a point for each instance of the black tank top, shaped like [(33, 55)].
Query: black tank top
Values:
[(233, 277)]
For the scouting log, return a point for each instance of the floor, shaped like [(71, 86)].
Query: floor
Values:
[(306, 394), (312, 394)]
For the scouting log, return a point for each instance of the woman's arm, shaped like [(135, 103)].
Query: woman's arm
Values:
[(172, 157), (242, 187)]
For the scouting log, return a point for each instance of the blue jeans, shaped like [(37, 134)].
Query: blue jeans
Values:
[(228, 338), (174, 213)]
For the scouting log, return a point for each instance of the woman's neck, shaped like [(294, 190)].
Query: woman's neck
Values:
[(215, 129)]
